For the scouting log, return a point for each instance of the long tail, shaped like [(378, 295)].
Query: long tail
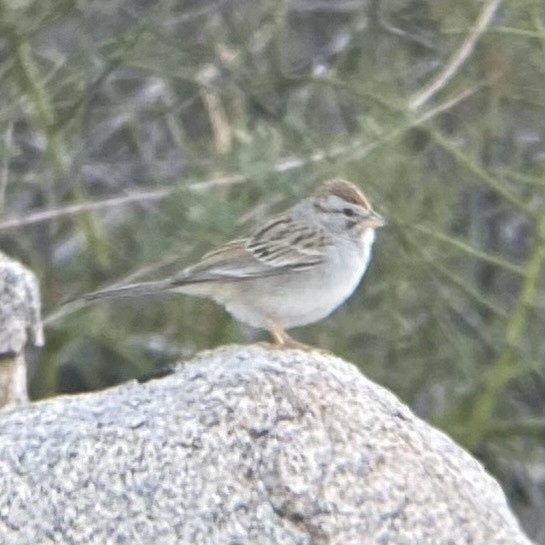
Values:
[(131, 290)]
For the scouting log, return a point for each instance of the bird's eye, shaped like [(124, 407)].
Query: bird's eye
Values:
[(348, 212)]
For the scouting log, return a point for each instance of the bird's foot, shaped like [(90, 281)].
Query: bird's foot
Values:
[(283, 340)]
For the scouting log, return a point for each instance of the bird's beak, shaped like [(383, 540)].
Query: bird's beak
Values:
[(375, 220)]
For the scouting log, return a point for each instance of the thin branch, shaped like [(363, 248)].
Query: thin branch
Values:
[(32, 85), (480, 172), (516, 427), (437, 269), (427, 116), (470, 250), (4, 164), (506, 366), (352, 152), (469, 291), (132, 197), (459, 57)]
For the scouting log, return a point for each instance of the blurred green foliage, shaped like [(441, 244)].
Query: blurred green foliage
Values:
[(137, 135)]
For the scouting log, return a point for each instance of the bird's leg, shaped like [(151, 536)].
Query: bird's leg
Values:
[(282, 339), (277, 333)]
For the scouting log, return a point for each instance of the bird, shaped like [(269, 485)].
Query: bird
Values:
[(290, 271)]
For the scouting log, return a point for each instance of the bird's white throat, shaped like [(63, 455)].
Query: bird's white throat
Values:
[(367, 241)]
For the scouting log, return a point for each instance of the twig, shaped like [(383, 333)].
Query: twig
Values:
[(506, 368), (132, 197), (469, 291), (470, 250), (217, 116), (4, 165), (352, 152), (427, 116), (480, 172), (516, 427), (459, 57), (32, 86)]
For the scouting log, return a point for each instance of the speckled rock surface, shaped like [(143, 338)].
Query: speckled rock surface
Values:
[(20, 324), (20, 320), (242, 445)]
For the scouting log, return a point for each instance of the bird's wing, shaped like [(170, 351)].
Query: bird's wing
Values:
[(287, 243), (279, 246)]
